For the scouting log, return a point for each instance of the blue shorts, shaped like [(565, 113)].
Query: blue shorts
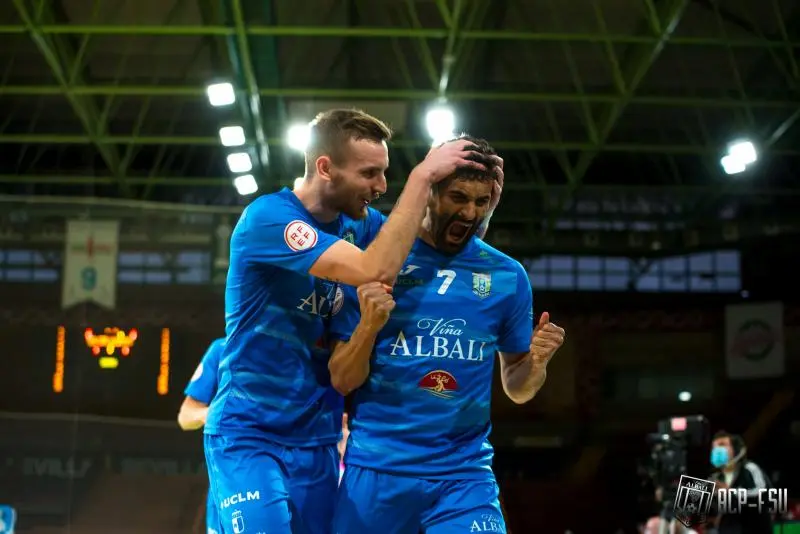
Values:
[(260, 486), (369, 501)]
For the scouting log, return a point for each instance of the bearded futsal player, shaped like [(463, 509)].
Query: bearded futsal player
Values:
[(421, 364)]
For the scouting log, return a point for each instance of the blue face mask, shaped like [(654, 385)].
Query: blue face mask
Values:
[(719, 457)]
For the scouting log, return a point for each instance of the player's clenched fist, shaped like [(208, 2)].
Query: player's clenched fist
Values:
[(547, 338), (376, 302)]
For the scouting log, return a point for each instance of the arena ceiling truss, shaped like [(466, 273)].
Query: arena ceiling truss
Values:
[(615, 111)]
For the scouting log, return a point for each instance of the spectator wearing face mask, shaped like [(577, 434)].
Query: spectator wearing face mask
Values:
[(734, 470)]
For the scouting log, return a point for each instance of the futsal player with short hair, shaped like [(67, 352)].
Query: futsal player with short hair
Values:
[(272, 428), (419, 358)]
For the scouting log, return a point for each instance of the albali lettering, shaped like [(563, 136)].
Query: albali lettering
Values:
[(437, 341)]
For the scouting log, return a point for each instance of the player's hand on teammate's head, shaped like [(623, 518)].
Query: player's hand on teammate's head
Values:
[(546, 340), (376, 303), (443, 160), (497, 186)]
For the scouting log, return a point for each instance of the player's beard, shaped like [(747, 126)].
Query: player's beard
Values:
[(345, 199), (440, 224)]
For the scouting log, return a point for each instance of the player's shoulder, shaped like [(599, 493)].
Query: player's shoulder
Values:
[(496, 260), (215, 349), (274, 206)]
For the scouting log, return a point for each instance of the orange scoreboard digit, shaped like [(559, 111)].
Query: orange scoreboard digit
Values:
[(108, 346)]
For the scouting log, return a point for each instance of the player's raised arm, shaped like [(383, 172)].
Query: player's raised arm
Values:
[(525, 351), (355, 327), (384, 257)]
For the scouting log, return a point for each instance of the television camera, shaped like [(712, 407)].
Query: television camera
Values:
[(679, 447)]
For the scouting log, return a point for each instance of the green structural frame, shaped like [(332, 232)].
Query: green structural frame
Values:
[(257, 76)]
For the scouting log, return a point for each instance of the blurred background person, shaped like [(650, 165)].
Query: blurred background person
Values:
[(734, 470)]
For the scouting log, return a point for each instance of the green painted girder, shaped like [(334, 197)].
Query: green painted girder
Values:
[(241, 57), (666, 148), (377, 32), (676, 192), (321, 93), (633, 70), (60, 56)]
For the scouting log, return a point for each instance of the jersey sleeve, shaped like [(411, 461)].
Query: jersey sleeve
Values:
[(344, 322), (517, 328), (278, 234), (203, 384)]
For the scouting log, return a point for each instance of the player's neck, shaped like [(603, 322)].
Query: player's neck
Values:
[(311, 197)]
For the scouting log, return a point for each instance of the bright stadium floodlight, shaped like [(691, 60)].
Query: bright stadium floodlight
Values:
[(220, 94), (298, 136), (440, 122), (232, 136), (744, 151), (684, 396), (239, 162), (740, 155), (298, 182), (245, 185)]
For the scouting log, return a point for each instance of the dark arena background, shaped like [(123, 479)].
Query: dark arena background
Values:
[(651, 159)]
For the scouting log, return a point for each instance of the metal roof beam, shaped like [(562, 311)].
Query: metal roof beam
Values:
[(665, 148), (379, 32), (60, 56), (680, 192), (633, 68), (321, 93), (240, 53)]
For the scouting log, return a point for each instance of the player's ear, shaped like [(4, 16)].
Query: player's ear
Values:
[(323, 166)]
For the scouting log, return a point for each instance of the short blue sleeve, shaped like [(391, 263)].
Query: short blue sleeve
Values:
[(344, 322), (275, 232), (203, 384), (517, 327)]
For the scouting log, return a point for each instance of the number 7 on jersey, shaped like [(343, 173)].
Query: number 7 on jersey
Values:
[(448, 276)]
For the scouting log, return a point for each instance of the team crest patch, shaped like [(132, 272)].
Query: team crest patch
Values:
[(482, 284), (349, 236), (299, 236), (439, 383)]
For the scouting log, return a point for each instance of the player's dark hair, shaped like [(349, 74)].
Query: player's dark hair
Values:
[(482, 150), (331, 131)]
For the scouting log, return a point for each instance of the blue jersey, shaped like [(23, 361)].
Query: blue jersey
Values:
[(203, 384), (273, 374), (424, 409)]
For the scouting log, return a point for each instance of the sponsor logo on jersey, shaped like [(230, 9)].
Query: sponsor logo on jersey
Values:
[(439, 383), (318, 303), (408, 269), (299, 236), (440, 338), (240, 498), (482, 284)]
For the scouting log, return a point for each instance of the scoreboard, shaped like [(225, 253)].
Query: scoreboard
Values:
[(115, 370), (108, 347)]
